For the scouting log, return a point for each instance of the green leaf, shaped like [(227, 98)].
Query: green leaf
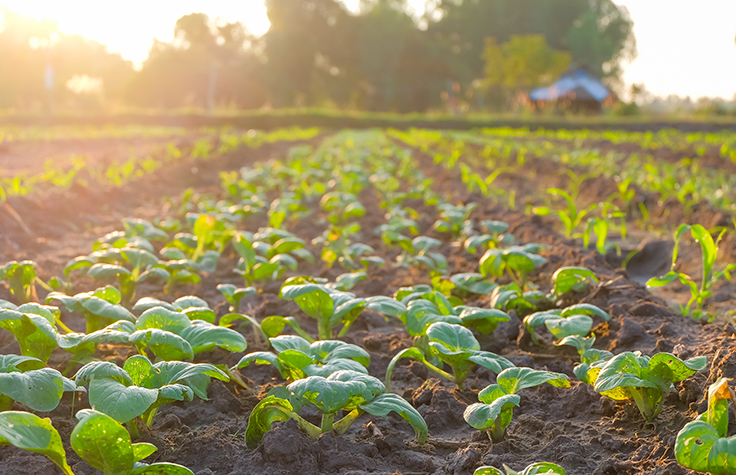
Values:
[(454, 338), (585, 309), (311, 298), (487, 470), (271, 409), (389, 402), (39, 389), (102, 442), (482, 319), (203, 336), (164, 344), (162, 319), (162, 468), (513, 380), (483, 416), (122, 403), (567, 279), (30, 432), (573, 325), (693, 446)]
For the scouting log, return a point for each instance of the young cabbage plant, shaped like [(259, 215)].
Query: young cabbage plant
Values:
[(699, 292), (254, 266), (420, 254), (21, 280), (346, 282), (139, 388), (453, 219), (135, 227), (570, 281), (573, 320), (496, 409), (100, 307), (591, 362), (172, 335), (234, 294), (489, 241), (472, 283), (645, 380), (455, 346), (105, 444), (25, 379), (181, 270), (349, 391), (29, 432), (341, 207), (703, 445), (186, 245), (435, 307), (296, 358), (517, 261), (510, 297), (537, 468), (332, 307)]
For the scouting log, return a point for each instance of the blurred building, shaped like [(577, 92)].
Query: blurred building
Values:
[(578, 90)]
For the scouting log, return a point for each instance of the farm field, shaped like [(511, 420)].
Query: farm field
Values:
[(367, 301)]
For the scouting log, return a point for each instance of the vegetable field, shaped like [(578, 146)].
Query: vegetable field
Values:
[(218, 301)]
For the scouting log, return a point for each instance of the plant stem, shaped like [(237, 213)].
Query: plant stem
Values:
[(344, 424), (324, 329), (327, 422)]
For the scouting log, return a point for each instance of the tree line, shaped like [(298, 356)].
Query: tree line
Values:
[(318, 53)]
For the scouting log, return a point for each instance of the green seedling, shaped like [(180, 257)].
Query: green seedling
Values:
[(26, 380), (455, 346), (346, 282), (341, 207), (349, 391), (332, 307), (140, 227), (234, 294), (496, 409), (640, 378), (489, 241), (100, 307), (510, 297), (139, 388), (453, 218), (296, 358), (537, 468), (569, 281), (172, 335), (516, 261), (426, 309), (472, 283), (260, 260), (703, 445), (104, 444), (561, 323), (21, 280), (420, 254), (571, 217), (699, 292)]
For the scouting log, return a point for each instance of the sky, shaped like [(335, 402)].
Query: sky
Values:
[(686, 47)]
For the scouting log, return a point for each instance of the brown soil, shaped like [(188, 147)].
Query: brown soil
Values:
[(575, 427)]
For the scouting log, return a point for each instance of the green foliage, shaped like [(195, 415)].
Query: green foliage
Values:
[(349, 391), (455, 346), (139, 388), (453, 219), (495, 411), (703, 445), (418, 253), (516, 261), (537, 468), (30, 432), (21, 278), (561, 323), (568, 281), (24, 379), (104, 444), (296, 358), (699, 292), (644, 380), (100, 308)]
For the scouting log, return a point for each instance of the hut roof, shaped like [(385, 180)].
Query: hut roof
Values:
[(578, 81)]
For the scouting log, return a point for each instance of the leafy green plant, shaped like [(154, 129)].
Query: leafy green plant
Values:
[(517, 261), (171, 335), (332, 307), (642, 379), (233, 294), (455, 346), (418, 253), (573, 320), (537, 468), (26, 380), (571, 216), (453, 218), (489, 241), (699, 292), (703, 445), (21, 279), (349, 391), (104, 444), (139, 388), (296, 358), (495, 411), (568, 281), (472, 283), (100, 307)]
